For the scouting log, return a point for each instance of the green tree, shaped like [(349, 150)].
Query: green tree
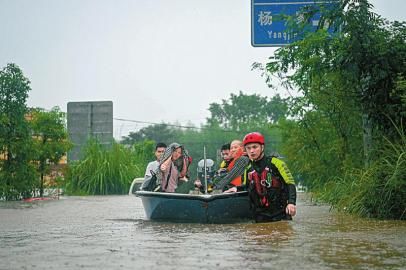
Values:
[(352, 101), (159, 133), (246, 112), (351, 74), (17, 175), (50, 139)]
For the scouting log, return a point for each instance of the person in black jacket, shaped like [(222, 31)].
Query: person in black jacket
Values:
[(271, 186)]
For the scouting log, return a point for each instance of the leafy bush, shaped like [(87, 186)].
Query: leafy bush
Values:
[(378, 191), (104, 171)]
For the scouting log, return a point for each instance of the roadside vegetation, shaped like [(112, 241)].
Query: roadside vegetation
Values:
[(378, 190), (109, 170), (347, 142)]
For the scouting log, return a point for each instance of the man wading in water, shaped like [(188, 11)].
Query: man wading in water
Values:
[(271, 186)]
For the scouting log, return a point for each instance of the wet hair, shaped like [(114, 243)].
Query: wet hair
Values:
[(158, 145), (225, 147)]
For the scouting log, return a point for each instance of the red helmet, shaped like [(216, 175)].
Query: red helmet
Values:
[(253, 137)]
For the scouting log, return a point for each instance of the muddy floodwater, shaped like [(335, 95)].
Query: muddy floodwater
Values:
[(110, 232)]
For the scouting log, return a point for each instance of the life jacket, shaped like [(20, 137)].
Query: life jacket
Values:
[(267, 189)]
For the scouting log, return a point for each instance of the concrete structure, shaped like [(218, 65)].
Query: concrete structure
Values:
[(90, 119)]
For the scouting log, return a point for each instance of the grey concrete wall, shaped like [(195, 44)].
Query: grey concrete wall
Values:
[(90, 119)]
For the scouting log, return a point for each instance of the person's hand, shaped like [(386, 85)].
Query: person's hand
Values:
[(231, 190), (163, 167), (221, 172), (291, 209)]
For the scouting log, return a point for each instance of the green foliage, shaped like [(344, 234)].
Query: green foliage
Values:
[(17, 175), (143, 153), (247, 112), (158, 133), (359, 65), (350, 84), (378, 191), (342, 78), (104, 171), (51, 139), (316, 149)]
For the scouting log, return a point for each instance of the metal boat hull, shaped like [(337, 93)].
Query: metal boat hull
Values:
[(216, 208)]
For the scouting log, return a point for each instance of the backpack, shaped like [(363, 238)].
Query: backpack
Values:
[(150, 182)]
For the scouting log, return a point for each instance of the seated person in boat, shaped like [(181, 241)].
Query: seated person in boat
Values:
[(173, 167), (225, 155), (235, 179), (226, 159), (271, 186), (153, 165)]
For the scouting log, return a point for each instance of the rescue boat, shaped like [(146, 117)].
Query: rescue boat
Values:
[(196, 208)]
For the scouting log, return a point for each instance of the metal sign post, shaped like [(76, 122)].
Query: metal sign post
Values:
[(205, 169)]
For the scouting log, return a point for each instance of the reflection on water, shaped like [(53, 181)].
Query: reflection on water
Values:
[(110, 232)]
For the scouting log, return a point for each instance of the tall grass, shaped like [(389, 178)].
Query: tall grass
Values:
[(104, 171), (379, 191)]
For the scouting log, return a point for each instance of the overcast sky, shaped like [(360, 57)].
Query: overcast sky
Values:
[(157, 60)]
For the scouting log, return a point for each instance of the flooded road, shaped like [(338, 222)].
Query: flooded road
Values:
[(109, 232)]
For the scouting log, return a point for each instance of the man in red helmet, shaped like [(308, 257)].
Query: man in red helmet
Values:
[(271, 186)]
